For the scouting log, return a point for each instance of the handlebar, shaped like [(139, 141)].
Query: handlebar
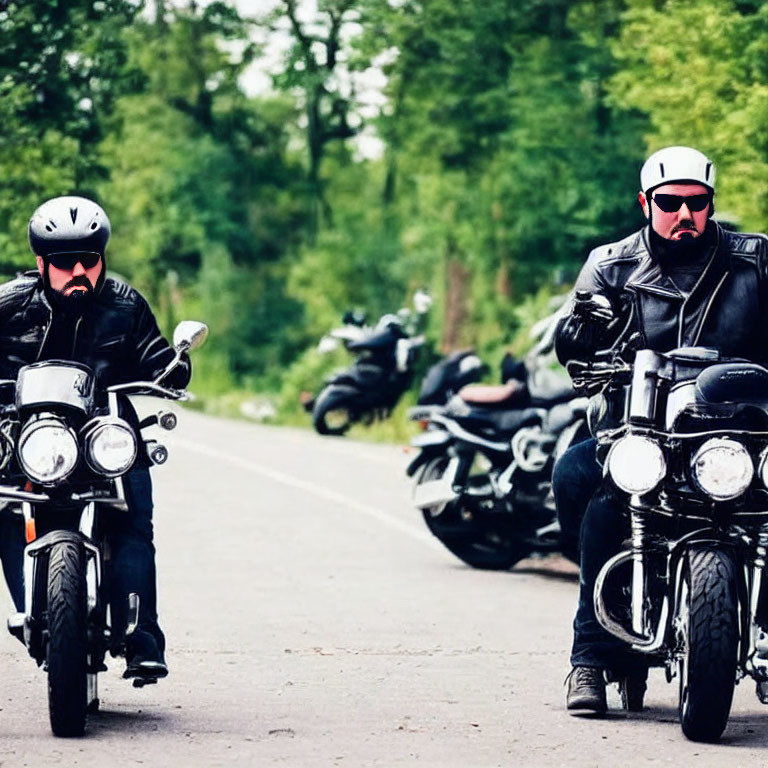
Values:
[(149, 388)]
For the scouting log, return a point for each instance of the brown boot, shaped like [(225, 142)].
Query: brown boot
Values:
[(586, 690)]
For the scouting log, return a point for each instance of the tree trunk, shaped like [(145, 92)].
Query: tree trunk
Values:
[(456, 290)]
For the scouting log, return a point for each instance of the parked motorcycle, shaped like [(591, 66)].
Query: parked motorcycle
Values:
[(373, 385), (484, 468), (448, 375), (65, 445), (688, 465)]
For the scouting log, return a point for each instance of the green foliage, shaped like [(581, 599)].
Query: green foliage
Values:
[(511, 136), (699, 72)]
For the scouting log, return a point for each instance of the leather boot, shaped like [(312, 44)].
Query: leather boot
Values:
[(586, 690)]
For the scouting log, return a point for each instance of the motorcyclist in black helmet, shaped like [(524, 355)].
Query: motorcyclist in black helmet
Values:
[(68, 309)]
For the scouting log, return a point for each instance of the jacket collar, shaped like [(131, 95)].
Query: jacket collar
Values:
[(647, 275)]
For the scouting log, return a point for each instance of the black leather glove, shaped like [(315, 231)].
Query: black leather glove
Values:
[(584, 331)]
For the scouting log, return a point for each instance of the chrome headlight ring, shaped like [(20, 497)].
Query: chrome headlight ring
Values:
[(722, 468), (110, 446), (48, 451)]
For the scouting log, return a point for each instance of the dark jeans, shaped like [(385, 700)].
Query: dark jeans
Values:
[(590, 515), (12, 554), (575, 478), (131, 563), (132, 557)]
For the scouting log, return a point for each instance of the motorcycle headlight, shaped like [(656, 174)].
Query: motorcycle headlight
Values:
[(110, 447), (48, 451), (722, 468), (636, 464)]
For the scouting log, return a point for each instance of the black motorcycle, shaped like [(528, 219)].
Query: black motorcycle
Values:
[(65, 445), (484, 468), (448, 375), (688, 466), (373, 385)]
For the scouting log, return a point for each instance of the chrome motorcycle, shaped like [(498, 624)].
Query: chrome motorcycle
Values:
[(65, 446), (688, 465)]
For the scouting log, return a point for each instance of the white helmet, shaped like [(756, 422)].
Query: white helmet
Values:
[(677, 164)]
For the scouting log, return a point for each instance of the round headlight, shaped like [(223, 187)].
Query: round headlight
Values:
[(636, 464), (110, 448), (48, 450), (722, 468)]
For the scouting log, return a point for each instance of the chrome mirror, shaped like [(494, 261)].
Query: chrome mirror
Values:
[(189, 334)]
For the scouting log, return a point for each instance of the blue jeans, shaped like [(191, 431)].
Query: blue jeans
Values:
[(12, 554), (132, 557), (575, 479), (590, 514)]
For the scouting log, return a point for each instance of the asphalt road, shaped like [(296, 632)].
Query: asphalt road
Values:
[(313, 621)]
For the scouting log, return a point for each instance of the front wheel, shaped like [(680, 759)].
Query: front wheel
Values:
[(331, 414), (708, 626), (67, 640), (467, 534)]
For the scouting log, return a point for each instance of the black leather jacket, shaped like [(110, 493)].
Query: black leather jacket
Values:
[(727, 308), (117, 336)]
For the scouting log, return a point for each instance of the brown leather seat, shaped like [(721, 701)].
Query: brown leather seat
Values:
[(489, 394)]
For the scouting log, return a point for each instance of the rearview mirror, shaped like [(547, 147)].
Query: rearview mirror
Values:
[(189, 334)]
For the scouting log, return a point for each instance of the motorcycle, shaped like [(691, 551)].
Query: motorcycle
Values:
[(373, 385), (448, 375), (688, 465), (484, 468), (65, 445)]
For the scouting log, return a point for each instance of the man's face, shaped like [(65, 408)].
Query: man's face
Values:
[(68, 281), (681, 223)]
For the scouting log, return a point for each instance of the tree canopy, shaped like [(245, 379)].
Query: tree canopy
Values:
[(476, 150)]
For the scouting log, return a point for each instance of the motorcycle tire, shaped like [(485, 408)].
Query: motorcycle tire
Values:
[(67, 649), (326, 405), (709, 617), (461, 534)]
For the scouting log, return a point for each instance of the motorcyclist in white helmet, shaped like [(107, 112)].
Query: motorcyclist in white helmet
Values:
[(680, 281)]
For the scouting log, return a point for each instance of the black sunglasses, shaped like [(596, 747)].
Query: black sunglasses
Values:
[(67, 261), (672, 203)]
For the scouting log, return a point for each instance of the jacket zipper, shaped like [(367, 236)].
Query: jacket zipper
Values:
[(45, 337)]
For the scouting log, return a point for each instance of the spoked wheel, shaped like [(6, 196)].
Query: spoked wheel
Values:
[(459, 529), (68, 640), (708, 636)]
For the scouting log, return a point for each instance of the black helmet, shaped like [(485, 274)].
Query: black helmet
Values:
[(66, 224)]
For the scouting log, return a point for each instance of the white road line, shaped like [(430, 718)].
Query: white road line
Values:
[(317, 490)]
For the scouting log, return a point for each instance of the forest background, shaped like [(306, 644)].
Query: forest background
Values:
[(475, 149)]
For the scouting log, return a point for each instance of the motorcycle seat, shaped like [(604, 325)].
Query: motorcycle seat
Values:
[(502, 423), (510, 395), (552, 398)]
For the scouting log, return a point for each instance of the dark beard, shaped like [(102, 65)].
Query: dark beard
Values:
[(76, 302), (687, 249)]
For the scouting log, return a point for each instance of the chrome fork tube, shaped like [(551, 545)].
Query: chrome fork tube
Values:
[(638, 571), (29, 561), (758, 564)]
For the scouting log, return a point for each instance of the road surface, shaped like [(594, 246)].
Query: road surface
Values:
[(313, 621)]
